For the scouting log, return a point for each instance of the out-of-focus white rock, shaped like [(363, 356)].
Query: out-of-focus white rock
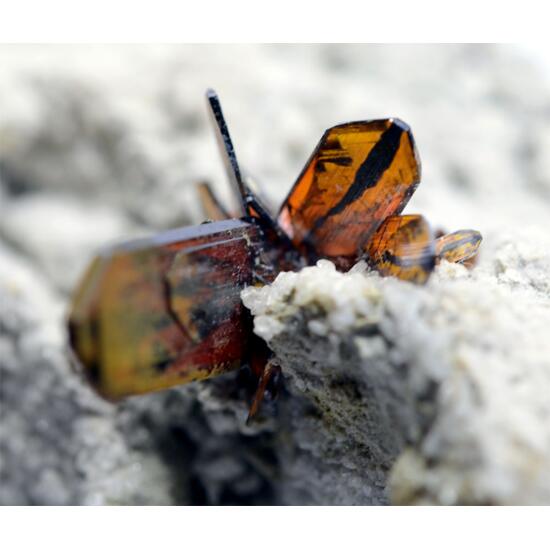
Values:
[(55, 230), (465, 360), (128, 126)]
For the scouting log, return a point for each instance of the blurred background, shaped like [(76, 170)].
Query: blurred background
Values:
[(99, 143)]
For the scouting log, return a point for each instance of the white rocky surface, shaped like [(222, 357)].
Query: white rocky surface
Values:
[(457, 371), (393, 392)]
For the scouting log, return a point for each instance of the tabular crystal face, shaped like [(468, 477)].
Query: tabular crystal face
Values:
[(164, 311), (359, 174), (403, 246)]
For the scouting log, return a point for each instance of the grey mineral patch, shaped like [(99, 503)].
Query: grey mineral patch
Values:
[(392, 392)]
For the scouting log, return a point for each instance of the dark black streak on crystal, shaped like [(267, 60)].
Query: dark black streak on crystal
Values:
[(369, 173)]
